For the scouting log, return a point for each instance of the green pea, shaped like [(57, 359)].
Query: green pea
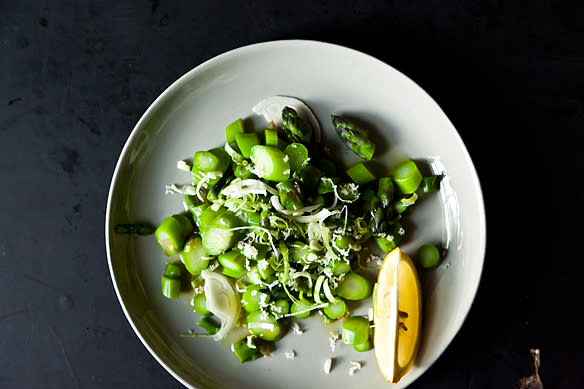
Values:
[(281, 307), (252, 298), (428, 256), (354, 287), (298, 156), (301, 308), (335, 310)]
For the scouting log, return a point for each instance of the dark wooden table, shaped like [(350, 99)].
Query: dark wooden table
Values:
[(75, 77)]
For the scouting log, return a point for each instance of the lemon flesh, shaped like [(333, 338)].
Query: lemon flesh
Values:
[(397, 315)]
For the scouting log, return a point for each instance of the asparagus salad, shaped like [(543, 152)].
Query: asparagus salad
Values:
[(275, 228)]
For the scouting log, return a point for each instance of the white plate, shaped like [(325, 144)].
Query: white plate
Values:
[(191, 115)]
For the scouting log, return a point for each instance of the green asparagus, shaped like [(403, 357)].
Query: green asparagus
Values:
[(295, 129), (356, 138)]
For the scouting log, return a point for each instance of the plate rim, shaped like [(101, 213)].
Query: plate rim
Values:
[(482, 234)]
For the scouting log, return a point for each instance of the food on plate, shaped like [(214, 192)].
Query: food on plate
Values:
[(275, 229), (428, 256), (356, 138)]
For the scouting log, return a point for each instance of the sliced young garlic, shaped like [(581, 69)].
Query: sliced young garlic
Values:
[(245, 187), (222, 301), (275, 200), (271, 109)]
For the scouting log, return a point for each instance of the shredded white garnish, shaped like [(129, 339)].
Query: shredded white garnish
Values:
[(183, 165), (333, 337), (250, 342), (263, 264), (327, 292), (264, 299), (235, 156), (234, 205), (327, 366), (275, 200), (203, 182), (355, 366), (247, 249), (346, 210), (261, 229), (296, 329), (319, 217), (258, 171), (315, 232), (370, 314), (306, 310), (277, 309), (271, 285), (345, 189), (290, 354), (246, 187), (387, 236), (328, 272), (180, 189)]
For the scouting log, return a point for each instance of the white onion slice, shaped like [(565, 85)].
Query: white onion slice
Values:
[(275, 200), (271, 109), (222, 301), (245, 187)]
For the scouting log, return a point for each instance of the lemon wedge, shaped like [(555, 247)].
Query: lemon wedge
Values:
[(397, 315)]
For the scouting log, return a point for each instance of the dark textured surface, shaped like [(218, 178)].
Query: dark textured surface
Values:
[(75, 77)]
